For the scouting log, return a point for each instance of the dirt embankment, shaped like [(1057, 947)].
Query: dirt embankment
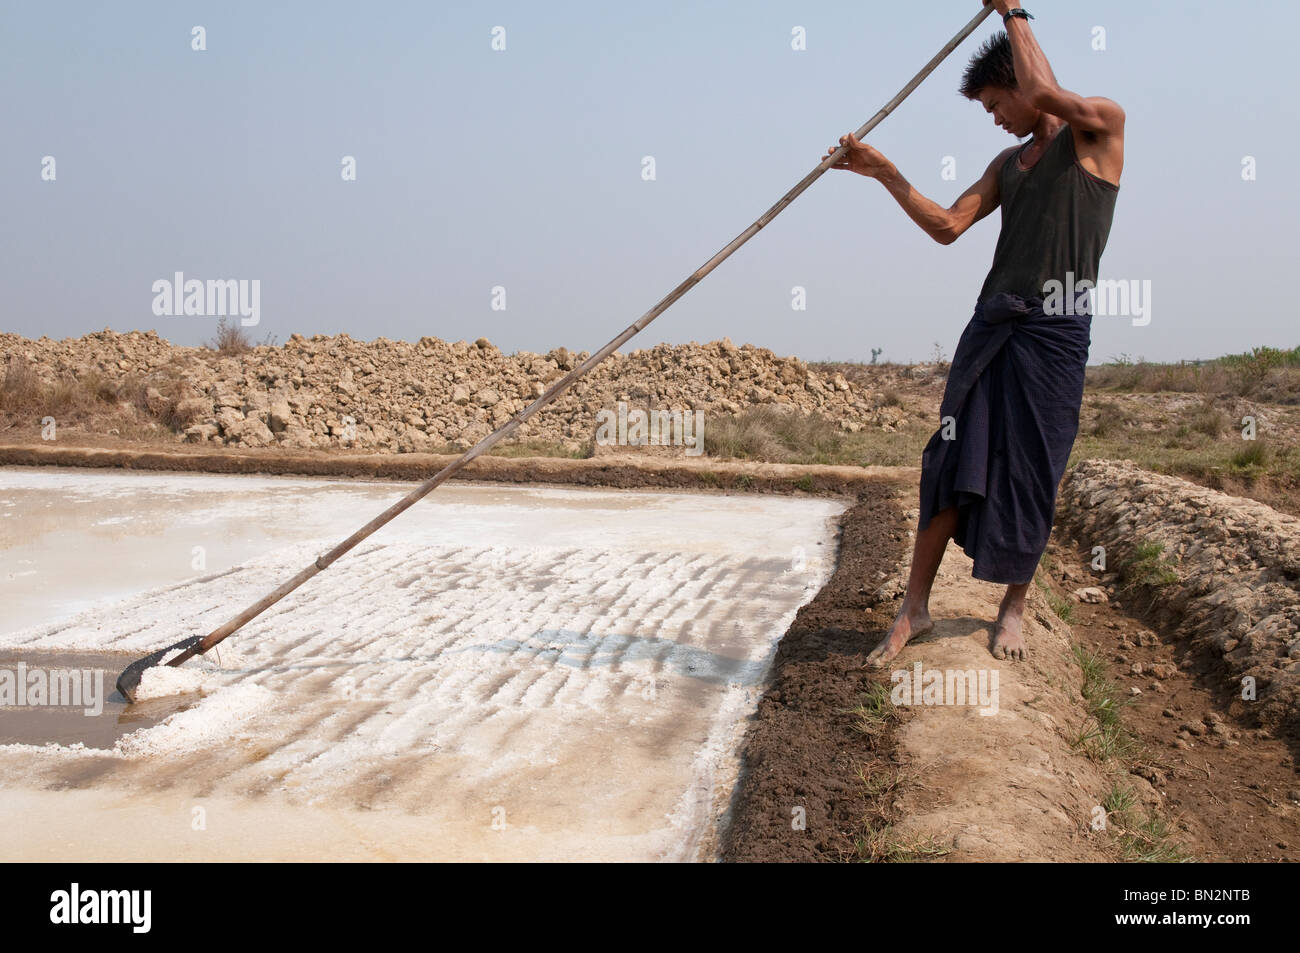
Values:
[(398, 396), (1228, 792), (626, 470), (833, 769), (1220, 572), (803, 751)]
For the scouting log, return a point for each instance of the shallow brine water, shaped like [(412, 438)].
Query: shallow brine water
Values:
[(69, 698)]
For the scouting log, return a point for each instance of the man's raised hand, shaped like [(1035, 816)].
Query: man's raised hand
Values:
[(1002, 6)]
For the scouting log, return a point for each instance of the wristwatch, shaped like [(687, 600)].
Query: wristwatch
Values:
[(1017, 12)]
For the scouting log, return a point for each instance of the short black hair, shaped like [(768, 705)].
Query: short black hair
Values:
[(991, 66)]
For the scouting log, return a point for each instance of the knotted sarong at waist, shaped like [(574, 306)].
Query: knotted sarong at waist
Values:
[(1010, 414)]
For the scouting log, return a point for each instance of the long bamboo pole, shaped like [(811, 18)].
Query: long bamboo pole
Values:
[(129, 680)]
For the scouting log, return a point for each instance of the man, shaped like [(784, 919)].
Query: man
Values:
[(1010, 410)]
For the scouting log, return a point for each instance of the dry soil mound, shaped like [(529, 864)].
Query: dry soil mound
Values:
[(1223, 571), (394, 396)]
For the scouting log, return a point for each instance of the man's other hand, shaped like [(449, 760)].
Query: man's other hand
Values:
[(860, 158)]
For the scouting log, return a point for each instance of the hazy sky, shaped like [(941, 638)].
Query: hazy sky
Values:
[(522, 168)]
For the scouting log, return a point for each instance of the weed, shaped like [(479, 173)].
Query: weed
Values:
[(1209, 420), (1253, 456), (876, 710), (1108, 737), (1141, 837), (231, 339), (1148, 567)]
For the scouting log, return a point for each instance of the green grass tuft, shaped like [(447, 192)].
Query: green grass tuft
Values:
[(1141, 838), (1148, 567), (1107, 738)]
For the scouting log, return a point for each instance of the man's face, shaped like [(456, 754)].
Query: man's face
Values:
[(1009, 110)]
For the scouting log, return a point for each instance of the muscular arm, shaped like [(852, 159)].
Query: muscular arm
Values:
[(1094, 114), (946, 225)]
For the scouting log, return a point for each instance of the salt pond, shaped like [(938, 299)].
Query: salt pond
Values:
[(500, 673)]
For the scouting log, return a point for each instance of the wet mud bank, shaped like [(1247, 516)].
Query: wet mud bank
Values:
[(801, 795)]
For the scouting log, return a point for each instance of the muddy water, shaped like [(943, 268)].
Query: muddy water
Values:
[(77, 703)]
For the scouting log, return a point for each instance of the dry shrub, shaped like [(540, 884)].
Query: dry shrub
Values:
[(176, 415), (103, 388), (92, 397), (1111, 418), (773, 434), (1208, 419), (25, 395), (890, 398), (65, 397), (164, 407), (1265, 373), (180, 416), (1252, 457), (22, 390), (230, 339)]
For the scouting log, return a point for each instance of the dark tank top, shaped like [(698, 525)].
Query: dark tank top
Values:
[(1055, 219)]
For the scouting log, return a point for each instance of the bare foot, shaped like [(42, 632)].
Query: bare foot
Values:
[(905, 627), (1008, 642)]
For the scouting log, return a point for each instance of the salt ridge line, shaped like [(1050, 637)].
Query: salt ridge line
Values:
[(370, 651), (691, 521)]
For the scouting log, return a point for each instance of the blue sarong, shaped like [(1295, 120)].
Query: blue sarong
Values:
[(1013, 396)]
